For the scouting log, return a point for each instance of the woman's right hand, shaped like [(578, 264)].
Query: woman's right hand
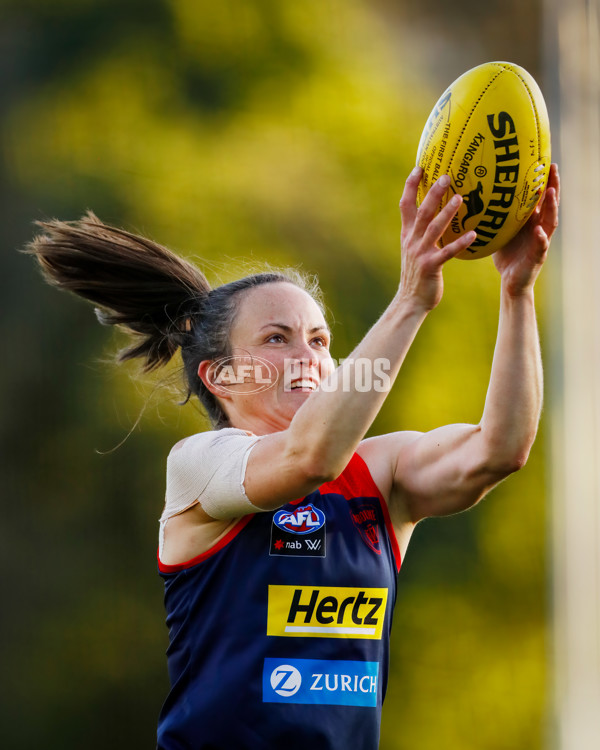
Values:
[(421, 280)]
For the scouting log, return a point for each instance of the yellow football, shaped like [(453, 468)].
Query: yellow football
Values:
[(490, 132)]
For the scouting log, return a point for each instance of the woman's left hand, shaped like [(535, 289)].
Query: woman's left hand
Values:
[(519, 262)]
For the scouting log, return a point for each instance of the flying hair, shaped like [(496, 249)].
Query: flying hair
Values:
[(136, 283)]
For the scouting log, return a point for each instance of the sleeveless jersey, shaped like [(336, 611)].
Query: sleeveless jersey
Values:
[(279, 634)]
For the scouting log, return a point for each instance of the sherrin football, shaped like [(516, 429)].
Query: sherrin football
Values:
[(489, 132)]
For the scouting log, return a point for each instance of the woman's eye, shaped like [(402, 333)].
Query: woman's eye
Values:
[(276, 338), (320, 341)]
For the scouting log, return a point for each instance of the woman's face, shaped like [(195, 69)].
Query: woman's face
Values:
[(279, 340)]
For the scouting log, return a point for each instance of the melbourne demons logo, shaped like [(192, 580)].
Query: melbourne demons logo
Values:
[(365, 516), (303, 520)]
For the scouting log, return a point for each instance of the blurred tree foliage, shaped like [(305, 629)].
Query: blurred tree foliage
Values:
[(238, 133)]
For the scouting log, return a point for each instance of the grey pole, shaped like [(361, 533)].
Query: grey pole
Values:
[(573, 337)]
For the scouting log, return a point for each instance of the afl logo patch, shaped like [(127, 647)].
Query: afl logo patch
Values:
[(298, 531), (303, 520)]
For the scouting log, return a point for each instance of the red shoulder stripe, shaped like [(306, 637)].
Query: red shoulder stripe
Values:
[(356, 481)]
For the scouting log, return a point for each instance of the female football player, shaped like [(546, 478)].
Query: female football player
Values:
[(284, 528)]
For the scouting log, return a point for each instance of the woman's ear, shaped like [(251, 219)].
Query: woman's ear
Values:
[(215, 378)]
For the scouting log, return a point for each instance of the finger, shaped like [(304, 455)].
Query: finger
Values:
[(541, 237), (457, 246), (549, 219), (551, 192), (554, 180), (440, 223), (430, 205), (539, 251), (408, 202), (537, 215), (538, 212)]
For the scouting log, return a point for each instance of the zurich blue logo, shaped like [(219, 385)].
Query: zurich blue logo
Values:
[(302, 520), (321, 681)]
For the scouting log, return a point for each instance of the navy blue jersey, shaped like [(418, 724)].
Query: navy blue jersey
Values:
[(279, 634)]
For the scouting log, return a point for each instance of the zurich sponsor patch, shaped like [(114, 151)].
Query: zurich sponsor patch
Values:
[(298, 531), (321, 681)]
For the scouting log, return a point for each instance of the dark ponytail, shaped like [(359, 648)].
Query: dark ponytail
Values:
[(164, 301), (135, 282)]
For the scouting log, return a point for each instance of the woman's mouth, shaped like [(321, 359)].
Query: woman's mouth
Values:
[(303, 384)]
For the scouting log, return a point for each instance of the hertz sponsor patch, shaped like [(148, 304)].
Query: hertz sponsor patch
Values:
[(326, 612)]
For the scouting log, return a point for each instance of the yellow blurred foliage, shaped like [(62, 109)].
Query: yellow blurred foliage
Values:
[(282, 132)]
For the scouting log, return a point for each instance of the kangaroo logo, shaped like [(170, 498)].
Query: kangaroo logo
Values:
[(473, 203)]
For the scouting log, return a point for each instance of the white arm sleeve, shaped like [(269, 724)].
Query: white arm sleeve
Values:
[(209, 469)]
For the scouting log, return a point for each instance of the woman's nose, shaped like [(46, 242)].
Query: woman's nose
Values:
[(304, 352)]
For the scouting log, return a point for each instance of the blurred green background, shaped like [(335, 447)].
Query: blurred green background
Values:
[(240, 132)]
